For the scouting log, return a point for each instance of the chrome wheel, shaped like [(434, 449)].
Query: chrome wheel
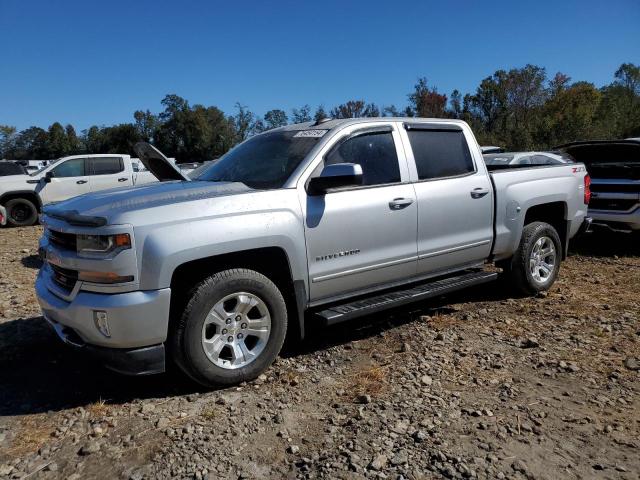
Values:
[(542, 261), (236, 330)]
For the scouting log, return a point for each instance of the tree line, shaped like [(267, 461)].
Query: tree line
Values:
[(519, 109)]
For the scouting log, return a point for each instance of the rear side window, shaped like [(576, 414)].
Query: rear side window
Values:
[(70, 168), (375, 152), (440, 153), (106, 166)]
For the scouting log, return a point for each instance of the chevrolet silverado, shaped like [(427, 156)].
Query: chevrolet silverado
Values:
[(319, 222)]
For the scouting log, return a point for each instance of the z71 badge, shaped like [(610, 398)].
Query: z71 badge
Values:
[(338, 254)]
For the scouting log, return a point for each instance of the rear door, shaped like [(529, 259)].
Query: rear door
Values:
[(108, 172), (454, 194), (70, 178), (365, 236)]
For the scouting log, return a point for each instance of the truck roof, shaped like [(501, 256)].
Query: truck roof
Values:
[(330, 124)]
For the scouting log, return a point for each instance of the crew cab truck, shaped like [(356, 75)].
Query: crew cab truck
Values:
[(24, 195), (322, 222)]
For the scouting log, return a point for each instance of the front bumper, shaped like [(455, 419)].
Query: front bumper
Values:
[(138, 323)]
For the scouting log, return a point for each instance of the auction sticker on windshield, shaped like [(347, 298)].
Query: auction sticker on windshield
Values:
[(310, 133)]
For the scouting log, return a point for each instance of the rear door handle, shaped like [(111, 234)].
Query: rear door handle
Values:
[(122, 179), (479, 192), (400, 203), (81, 182)]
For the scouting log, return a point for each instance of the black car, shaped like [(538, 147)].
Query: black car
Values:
[(11, 168)]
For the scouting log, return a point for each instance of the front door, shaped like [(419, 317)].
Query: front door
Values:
[(364, 236), (70, 179)]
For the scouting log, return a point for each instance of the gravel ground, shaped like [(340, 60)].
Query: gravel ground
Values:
[(476, 385)]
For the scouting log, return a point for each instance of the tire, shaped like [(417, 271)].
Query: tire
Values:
[(21, 212), (201, 342), (524, 265)]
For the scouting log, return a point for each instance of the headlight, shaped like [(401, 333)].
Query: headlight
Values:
[(102, 244)]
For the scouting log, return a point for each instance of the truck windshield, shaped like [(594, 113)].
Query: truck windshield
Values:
[(263, 162), (40, 170)]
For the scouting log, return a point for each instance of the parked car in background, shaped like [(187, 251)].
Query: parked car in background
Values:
[(491, 149), (512, 159), (614, 166), (8, 167), (338, 219), (24, 195)]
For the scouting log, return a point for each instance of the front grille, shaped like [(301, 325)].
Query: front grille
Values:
[(64, 277), (616, 187), (66, 241), (621, 205)]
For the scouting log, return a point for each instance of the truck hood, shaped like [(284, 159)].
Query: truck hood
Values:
[(157, 163), (17, 183), (607, 158), (97, 209)]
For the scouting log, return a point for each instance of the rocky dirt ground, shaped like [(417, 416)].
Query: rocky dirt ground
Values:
[(476, 385)]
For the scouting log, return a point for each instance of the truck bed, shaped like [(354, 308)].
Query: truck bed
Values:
[(518, 187)]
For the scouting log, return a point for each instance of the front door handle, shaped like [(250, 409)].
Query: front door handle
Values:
[(479, 192), (400, 203), (81, 182), (122, 179)]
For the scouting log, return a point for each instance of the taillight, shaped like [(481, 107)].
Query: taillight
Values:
[(587, 189)]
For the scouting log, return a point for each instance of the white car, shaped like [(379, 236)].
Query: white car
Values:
[(513, 159), (24, 195)]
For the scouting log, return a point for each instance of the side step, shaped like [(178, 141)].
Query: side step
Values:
[(376, 303)]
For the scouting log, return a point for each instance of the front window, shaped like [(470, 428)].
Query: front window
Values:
[(70, 168), (374, 151), (265, 161)]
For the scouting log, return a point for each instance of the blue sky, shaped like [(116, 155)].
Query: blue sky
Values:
[(96, 62)]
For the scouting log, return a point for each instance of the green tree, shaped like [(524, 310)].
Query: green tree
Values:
[(146, 124), (7, 136), (275, 118), (355, 109), (75, 145), (569, 115), (244, 121), (456, 104), (301, 115), (31, 143), (320, 114), (57, 141), (426, 101)]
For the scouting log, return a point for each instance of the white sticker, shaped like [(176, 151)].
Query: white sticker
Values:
[(310, 133)]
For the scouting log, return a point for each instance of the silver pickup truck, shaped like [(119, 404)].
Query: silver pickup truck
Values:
[(324, 221)]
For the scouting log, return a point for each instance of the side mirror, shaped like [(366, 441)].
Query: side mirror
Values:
[(48, 176), (335, 176)]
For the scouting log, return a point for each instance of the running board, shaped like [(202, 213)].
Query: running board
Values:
[(396, 298)]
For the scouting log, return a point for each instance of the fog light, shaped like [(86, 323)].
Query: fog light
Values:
[(101, 321)]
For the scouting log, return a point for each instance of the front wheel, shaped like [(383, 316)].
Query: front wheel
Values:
[(232, 329), (21, 212), (535, 265)]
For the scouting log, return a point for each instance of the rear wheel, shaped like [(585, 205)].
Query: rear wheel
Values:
[(21, 212), (535, 265), (232, 329)]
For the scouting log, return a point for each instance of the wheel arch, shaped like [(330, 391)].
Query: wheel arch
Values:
[(272, 262), (26, 194), (555, 214)]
